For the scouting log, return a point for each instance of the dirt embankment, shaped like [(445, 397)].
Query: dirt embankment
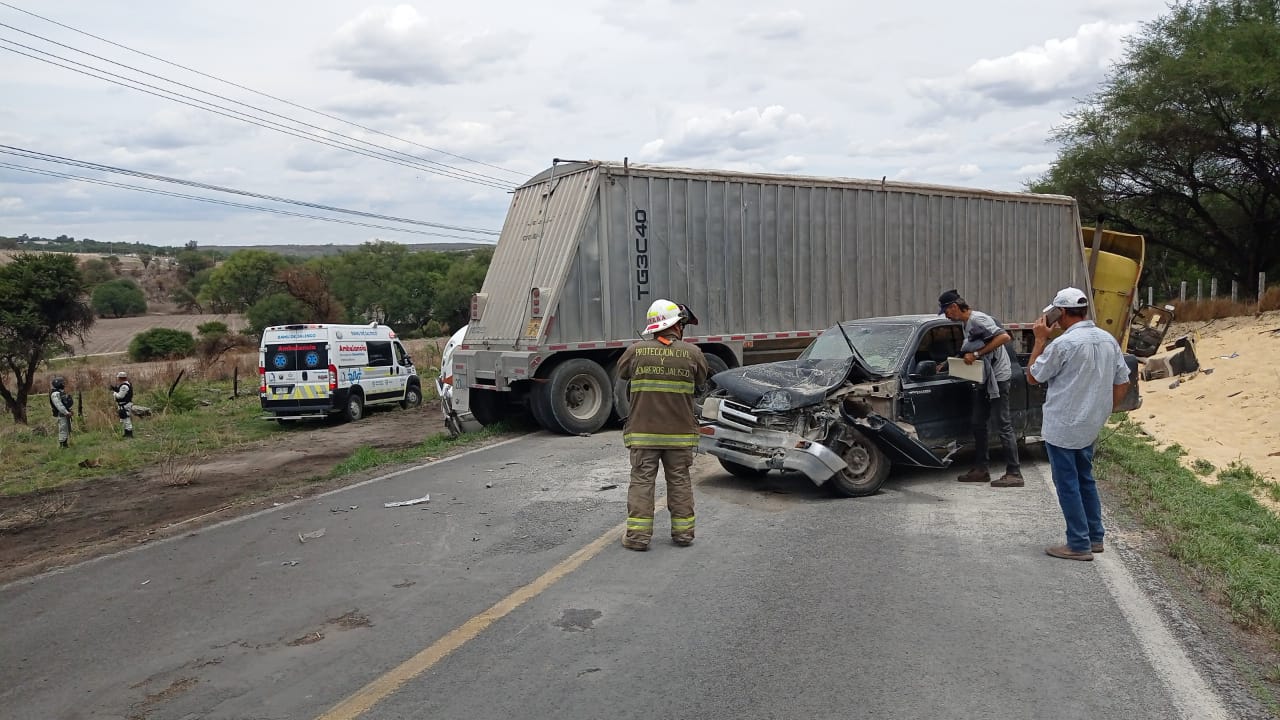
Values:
[(1229, 414), (84, 519)]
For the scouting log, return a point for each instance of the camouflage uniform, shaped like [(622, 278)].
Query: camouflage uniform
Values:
[(59, 401), (661, 429)]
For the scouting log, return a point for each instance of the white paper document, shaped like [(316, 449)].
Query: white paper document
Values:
[(957, 368)]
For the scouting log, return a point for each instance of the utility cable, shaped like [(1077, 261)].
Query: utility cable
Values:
[(215, 201), (290, 103), (161, 78), (58, 159), (232, 113)]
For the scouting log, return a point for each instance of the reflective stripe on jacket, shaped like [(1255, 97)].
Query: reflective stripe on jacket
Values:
[(664, 374)]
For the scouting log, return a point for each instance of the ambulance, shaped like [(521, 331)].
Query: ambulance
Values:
[(317, 370)]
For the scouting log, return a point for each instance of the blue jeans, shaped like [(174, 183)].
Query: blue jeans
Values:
[(1077, 494)]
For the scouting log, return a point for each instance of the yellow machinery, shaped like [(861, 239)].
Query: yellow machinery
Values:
[(1113, 273)]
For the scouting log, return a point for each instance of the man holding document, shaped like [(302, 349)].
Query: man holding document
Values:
[(983, 342)]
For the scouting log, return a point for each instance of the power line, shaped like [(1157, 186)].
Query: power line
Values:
[(207, 106), (243, 104), (46, 157), (290, 103), (215, 201)]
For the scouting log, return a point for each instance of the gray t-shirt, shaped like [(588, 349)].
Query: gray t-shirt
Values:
[(979, 330)]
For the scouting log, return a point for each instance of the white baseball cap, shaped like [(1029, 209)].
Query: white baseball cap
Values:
[(1068, 298)]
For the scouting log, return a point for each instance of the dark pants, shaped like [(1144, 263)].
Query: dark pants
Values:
[(1077, 495), (983, 407)]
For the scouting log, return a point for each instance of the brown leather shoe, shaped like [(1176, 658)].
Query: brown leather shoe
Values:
[(1066, 553), (1008, 480), (1097, 548), (976, 475)]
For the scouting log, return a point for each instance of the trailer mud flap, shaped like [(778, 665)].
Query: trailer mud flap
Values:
[(900, 447)]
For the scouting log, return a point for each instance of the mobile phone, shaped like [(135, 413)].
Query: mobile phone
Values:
[(1052, 317)]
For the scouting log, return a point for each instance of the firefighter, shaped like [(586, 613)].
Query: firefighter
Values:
[(664, 372), (122, 391), (60, 401)]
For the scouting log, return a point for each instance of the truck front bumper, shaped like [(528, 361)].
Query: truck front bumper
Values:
[(762, 449)]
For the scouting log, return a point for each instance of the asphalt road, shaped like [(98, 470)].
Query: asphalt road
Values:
[(933, 599)]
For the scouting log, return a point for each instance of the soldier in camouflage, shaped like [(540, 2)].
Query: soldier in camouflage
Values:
[(60, 401), (664, 372)]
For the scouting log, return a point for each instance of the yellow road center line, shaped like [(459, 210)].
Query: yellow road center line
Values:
[(378, 690)]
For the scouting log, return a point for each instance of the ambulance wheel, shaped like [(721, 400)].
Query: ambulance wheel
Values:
[(412, 397), (354, 409), (580, 396)]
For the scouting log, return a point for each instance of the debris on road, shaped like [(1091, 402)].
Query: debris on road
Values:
[(488, 485), (345, 509), (1232, 356), (608, 487), (1173, 385), (303, 537), (1235, 393), (290, 563), (144, 582), (403, 503)]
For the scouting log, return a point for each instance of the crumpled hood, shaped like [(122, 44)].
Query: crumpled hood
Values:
[(789, 384)]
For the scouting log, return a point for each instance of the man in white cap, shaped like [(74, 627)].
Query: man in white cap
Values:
[(122, 391), (1087, 378)]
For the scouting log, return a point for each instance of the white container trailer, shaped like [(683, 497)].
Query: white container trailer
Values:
[(765, 261)]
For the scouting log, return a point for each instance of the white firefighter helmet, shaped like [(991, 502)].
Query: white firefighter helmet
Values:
[(662, 315)]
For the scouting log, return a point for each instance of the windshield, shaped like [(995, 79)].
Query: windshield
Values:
[(879, 344)]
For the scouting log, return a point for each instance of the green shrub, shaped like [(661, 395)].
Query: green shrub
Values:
[(277, 309), (182, 400), (118, 298), (161, 344), (213, 327)]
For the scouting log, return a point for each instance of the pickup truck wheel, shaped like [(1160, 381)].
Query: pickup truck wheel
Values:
[(867, 468), (742, 471), (580, 396), (354, 409), (715, 364)]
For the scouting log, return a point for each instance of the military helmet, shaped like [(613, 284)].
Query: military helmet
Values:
[(59, 383)]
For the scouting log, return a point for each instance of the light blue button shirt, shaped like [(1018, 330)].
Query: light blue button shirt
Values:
[(1080, 368)]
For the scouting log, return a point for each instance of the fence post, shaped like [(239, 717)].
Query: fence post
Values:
[(235, 382), (1235, 291), (1262, 287), (1151, 294), (80, 404), (1182, 292), (1199, 289), (1213, 289)]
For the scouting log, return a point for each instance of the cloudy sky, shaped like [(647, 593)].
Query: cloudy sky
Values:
[(489, 92)]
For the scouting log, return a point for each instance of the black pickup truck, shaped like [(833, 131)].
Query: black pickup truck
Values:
[(858, 401)]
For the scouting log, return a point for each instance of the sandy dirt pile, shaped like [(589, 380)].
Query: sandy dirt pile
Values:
[(1232, 413)]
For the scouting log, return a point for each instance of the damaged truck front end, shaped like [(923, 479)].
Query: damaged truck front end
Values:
[(825, 415)]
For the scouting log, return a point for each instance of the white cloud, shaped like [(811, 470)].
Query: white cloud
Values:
[(926, 143), (176, 128), (1053, 71), (787, 24), (1033, 170), (963, 172), (747, 131), (11, 204), (790, 163), (398, 46), (1031, 137)]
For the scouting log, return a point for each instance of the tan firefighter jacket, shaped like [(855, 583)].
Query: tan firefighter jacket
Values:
[(664, 372)]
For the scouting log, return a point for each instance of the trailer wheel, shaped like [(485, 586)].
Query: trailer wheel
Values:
[(354, 409), (486, 406), (742, 471), (868, 467), (580, 396), (540, 407)]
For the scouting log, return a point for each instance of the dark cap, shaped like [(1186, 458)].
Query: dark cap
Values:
[(947, 298)]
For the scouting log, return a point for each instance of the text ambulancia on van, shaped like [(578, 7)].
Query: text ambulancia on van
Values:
[(307, 371)]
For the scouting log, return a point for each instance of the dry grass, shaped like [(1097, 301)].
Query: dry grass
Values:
[(1192, 311)]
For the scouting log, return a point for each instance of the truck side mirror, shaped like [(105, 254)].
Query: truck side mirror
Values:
[(925, 369)]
